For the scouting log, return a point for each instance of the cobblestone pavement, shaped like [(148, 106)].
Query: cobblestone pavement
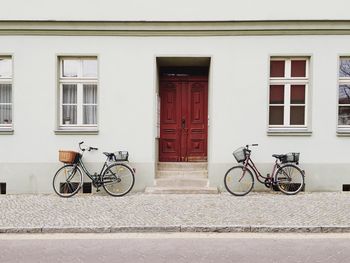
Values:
[(256, 212)]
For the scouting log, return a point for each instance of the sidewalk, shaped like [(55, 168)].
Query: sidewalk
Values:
[(256, 212)]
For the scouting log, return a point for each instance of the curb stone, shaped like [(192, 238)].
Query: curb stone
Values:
[(145, 229), (174, 229), (335, 229), (216, 229), (76, 229), (20, 230), (285, 229)]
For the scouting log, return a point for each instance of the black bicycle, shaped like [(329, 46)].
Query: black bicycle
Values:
[(286, 175), (116, 176)]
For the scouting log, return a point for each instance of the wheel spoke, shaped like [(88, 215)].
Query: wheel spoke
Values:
[(118, 179), (67, 181), (239, 181), (290, 179)]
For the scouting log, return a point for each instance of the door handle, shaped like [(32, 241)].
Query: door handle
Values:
[(183, 123)]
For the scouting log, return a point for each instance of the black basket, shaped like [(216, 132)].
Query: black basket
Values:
[(240, 154), (291, 158), (121, 156)]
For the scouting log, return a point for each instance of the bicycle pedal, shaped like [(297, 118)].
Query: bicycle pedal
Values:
[(97, 190)]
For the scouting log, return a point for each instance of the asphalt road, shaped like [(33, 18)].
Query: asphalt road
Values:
[(177, 247)]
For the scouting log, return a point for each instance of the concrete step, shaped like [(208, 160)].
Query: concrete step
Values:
[(184, 174), (185, 166), (181, 182), (181, 190)]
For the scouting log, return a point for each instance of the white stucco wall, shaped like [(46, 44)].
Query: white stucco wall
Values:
[(238, 104), (188, 10)]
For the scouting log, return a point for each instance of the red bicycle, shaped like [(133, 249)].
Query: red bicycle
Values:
[(286, 175)]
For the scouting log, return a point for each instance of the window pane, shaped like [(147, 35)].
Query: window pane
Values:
[(344, 68), (70, 68), (276, 94), (297, 115), (277, 68), (90, 68), (297, 95), (90, 94), (298, 68), (89, 114), (5, 114), (344, 115), (276, 115), (69, 94), (344, 94), (69, 114), (5, 68), (5, 93)]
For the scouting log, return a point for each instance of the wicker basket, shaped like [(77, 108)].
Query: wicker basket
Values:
[(67, 156)]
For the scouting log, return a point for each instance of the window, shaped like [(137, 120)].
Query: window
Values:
[(344, 94), (5, 93), (289, 81), (2, 188), (78, 93)]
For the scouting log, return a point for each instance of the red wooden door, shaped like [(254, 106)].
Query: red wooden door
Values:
[(183, 119)]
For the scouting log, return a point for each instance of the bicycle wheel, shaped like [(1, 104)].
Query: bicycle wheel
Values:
[(239, 181), (67, 180), (289, 179), (118, 179)]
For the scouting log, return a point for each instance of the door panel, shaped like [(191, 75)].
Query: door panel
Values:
[(183, 119), (198, 120), (170, 111)]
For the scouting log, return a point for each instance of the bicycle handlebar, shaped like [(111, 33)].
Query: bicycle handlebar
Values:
[(82, 149), (92, 149), (89, 148), (254, 144)]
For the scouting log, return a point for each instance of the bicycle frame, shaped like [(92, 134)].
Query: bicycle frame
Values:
[(96, 180), (86, 171), (249, 163)]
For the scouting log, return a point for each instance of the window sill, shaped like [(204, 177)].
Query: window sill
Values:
[(343, 132), (77, 131), (288, 132), (6, 131)]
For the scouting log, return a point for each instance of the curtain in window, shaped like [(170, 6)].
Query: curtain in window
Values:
[(5, 68), (90, 104), (5, 103), (69, 104)]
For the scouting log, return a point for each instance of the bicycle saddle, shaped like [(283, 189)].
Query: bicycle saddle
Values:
[(108, 154), (279, 156)]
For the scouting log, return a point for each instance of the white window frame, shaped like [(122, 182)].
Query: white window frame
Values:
[(287, 81), (79, 81), (8, 80), (342, 81)]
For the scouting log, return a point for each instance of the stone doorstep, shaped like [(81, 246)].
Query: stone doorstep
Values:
[(174, 181), (181, 190), (187, 174), (185, 166), (181, 178)]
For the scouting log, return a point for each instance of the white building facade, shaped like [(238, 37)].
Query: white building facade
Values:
[(280, 79)]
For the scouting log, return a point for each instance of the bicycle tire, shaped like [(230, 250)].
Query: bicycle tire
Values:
[(289, 179), (118, 179), (67, 181), (233, 181)]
